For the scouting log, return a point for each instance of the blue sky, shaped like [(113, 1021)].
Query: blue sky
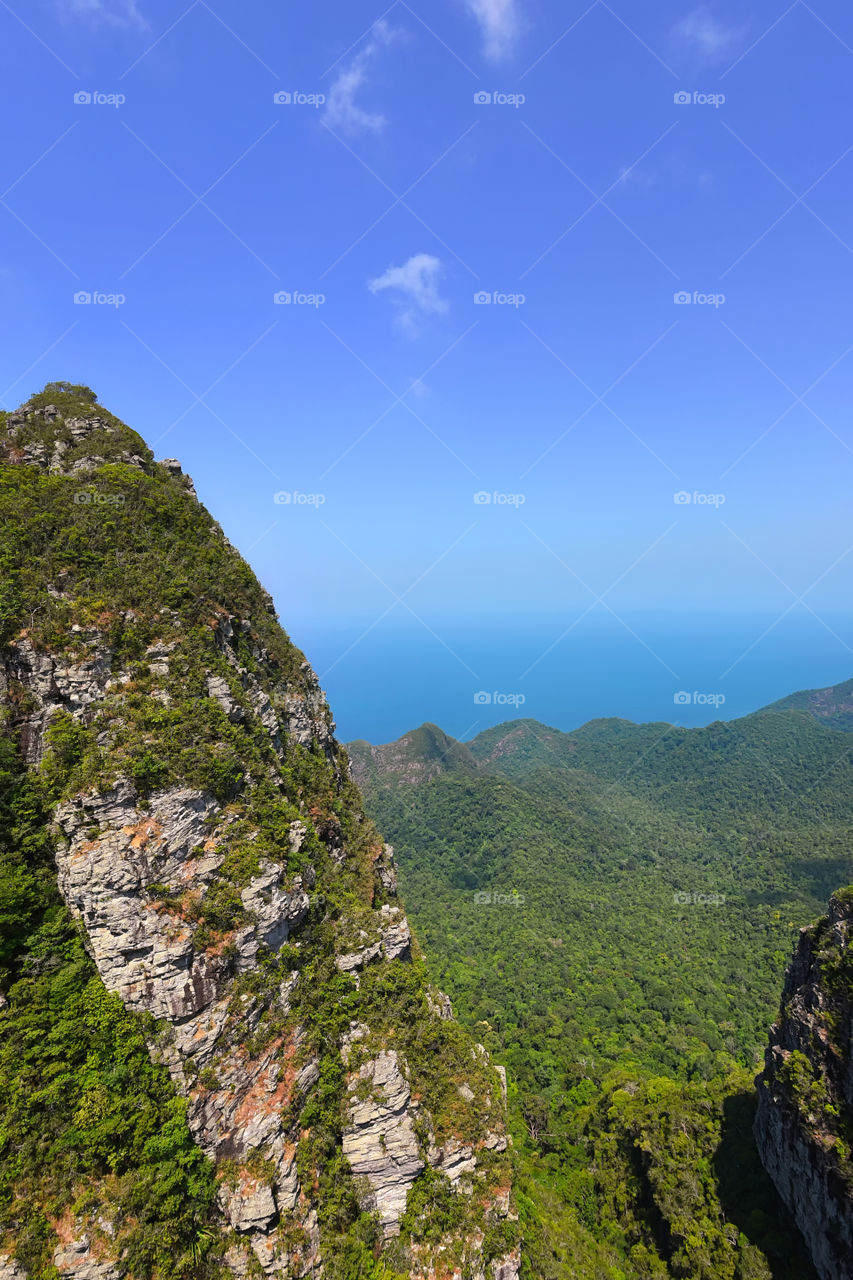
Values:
[(581, 165)]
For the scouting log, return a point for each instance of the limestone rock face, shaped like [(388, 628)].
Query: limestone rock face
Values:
[(75, 1260), (9, 1269), (115, 867), (806, 1092), (62, 452), (55, 684), (393, 942), (380, 1143)]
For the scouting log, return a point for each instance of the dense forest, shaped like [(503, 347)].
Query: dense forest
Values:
[(612, 911)]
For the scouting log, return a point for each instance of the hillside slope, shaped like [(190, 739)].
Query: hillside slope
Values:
[(612, 911), (832, 707), (219, 1052)]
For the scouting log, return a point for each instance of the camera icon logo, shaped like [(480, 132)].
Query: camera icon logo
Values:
[(81, 297), (83, 498), (681, 98), (482, 298), (282, 98), (283, 498), (482, 699), (682, 698), (682, 298), (482, 499), (82, 98), (482, 99), (282, 299), (682, 498)]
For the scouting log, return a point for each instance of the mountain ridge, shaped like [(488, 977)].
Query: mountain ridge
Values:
[(831, 706)]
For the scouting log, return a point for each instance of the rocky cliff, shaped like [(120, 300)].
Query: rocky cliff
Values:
[(804, 1122), (212, 852)]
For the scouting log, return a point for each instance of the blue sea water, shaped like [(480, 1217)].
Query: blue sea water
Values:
[(385, 679)]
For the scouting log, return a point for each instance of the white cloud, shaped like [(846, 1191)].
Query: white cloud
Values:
[(342, 109), (500, 23), (414, 287), (112, 13), (700, 32)]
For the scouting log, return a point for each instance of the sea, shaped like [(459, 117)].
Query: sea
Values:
[(383, 679)]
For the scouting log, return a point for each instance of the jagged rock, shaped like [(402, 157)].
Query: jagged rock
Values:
[(174, 468), (358, 1031), (797, 1131), (507, 1268), (54, 684), (380, 1142), (158, 656), (10, 1269), (394, 942), (51, 455), (146, 956), (440, 1006), (276, 912), (296, 838), (250, 1206), (305, 715), (386, 871), (219, 690), (75, 1261), (455, 1160)]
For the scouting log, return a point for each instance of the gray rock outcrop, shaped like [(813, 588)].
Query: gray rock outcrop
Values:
[(805, 1093), (380, 1143)]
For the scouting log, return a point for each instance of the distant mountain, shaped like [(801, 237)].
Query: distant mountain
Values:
[(832, 707), (417, 757)]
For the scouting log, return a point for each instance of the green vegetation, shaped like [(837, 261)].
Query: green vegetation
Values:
[(611, 912), (86, 1118)]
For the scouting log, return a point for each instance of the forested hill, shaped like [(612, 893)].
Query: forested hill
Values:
[(832, 707), (619, 904)]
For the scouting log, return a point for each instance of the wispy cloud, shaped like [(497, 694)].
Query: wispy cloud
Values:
[(111, 13), (342, 110), (500, 23), (700, 32), (414, 287)]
